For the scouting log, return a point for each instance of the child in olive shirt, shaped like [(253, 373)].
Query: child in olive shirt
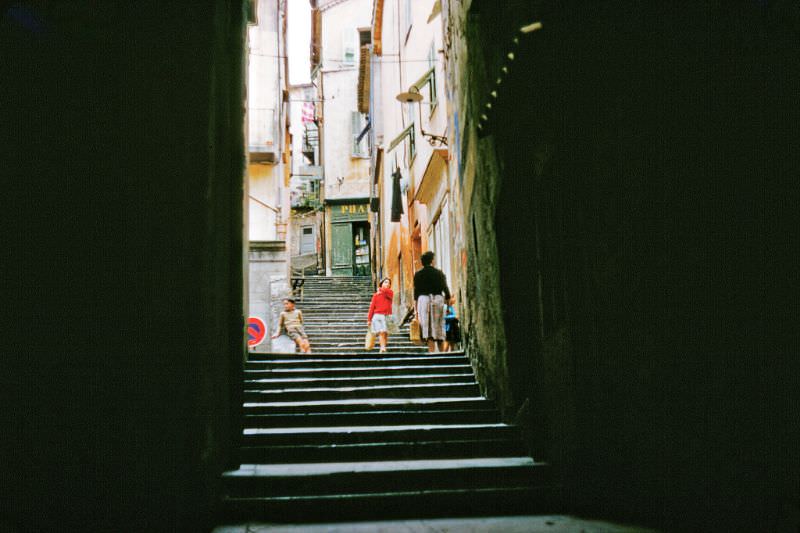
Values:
[(291, 321)]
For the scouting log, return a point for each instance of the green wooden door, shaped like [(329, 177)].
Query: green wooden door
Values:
[(342, 244)]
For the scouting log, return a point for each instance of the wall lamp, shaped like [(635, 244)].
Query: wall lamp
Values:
[(413, 96)]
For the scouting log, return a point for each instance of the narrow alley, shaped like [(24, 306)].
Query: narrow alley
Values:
[(399, 265)]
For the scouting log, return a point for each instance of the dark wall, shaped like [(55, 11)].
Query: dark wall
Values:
[(643, 155), (122, 151)]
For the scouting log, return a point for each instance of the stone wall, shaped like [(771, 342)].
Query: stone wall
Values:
[(125, 171), (268, 284), (623, 215)]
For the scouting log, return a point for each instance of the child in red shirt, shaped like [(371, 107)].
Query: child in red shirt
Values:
[(379, 308)]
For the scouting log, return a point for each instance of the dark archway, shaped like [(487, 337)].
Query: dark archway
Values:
[(122, 173), (617, 179)]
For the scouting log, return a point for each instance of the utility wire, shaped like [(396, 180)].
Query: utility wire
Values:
[(325, 60)]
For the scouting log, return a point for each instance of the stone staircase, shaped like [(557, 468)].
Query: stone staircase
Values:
[(347, 434)]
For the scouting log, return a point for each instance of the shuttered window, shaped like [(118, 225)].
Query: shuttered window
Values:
[(349, 47), (358, 121), (432, 79)]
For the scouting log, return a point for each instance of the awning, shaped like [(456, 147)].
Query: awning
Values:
[(403, 134), (432, 177)]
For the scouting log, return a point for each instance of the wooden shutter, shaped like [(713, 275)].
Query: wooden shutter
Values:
[(363, 80), (316, 37)]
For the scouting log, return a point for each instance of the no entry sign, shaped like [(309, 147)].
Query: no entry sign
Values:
[(256, 331)]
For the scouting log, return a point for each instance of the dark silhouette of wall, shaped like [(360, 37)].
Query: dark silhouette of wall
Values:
[(633, 187), (122, 152)]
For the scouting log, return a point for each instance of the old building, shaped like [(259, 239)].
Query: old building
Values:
[(268, 146), (307, 220), (407, 97), (340, 28)]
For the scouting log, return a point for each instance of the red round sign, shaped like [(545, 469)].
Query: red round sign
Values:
[(256, 331)]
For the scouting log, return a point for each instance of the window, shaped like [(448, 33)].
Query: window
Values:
[(407, 137), (432, 79), (364, 37), (411, 147), (411, 150), (349, 47), (358, 121)]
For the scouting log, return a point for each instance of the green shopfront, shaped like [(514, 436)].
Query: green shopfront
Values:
[(349, 237)]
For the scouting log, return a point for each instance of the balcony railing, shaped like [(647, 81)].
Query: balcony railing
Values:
[(306, 199), (261, 138)]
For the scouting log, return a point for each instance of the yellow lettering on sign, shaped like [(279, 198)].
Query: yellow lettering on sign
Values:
[(352, 209), (361, 209), (344, 209)]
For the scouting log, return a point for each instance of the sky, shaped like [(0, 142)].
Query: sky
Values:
[(299, 38)]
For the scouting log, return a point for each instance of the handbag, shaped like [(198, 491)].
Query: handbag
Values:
[(369, 339), (415, 331), (391, 325)]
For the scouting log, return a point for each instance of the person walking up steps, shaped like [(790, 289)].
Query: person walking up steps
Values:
[(452, 329), (291, 321), (379, 308), (430, 293)]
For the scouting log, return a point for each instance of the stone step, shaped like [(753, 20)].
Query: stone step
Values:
[(376, 434), (331, 373), (358, 324), (358, 345), (341, 360), (351, 338), (349, 332), (384, 451), (374, 354), (278, 383), (335, 309), (358, 341), (383, 391), (369, 404), (335, 298), (392, 350), (335, 320), (313, 286), (385, 504), (402, 417), (306, 479)]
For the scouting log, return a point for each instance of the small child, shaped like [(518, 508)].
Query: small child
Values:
[(452, 330), (291, 320)]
